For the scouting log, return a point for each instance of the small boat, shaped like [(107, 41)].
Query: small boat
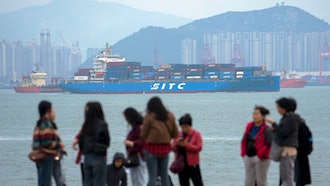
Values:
[(292, 80), (36, 83)]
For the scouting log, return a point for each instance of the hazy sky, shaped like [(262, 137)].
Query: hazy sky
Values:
[(195, 9)]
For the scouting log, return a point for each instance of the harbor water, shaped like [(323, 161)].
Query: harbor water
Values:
[(221, 118)]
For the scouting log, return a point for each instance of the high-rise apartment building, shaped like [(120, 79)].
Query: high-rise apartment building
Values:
[(189, 51)]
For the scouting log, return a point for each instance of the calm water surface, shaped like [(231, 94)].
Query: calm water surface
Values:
[(221, 118)]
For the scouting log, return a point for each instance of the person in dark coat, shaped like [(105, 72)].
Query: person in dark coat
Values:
[(116, 174), (286, 136), (302, 168), (134, 145), (94, 140)]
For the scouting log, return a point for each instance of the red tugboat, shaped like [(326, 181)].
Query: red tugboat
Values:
[(292, 80), (36, 83)]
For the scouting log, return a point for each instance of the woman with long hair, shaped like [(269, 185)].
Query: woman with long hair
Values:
[(134, 144), (80, 156), (159, 128), (94, 141)]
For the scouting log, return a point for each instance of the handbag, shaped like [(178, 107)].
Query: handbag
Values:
[(275, 151), (37, 155), (132, 161), (178, 165)]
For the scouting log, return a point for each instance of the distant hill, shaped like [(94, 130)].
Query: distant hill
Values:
[(140, 45), (90, 22)]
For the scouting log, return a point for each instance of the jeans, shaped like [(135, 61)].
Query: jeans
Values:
[(138, 173), (193, 173), (95, 167), (256, 171), (287, 170), (82, 173), (57, 173), (156, 165), (45, 170)]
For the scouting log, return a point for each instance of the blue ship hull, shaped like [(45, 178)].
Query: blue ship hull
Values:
[(246, 84)]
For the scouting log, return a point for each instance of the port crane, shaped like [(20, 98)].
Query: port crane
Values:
[(324, 56), (237, 58)]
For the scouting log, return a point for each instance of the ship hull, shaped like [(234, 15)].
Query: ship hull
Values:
[(293, 83), (248, 84), (316, 83), (35, 89)]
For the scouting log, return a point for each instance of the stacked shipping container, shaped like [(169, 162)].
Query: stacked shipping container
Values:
[(173, 72)]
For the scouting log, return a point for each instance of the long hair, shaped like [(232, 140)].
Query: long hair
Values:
[(93, 114), (156, 106), (133, 117), (43, 108)]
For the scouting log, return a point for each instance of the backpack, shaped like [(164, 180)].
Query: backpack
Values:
[(305, 139)]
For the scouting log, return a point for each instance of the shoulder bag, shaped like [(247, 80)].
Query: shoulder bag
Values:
[(178, 164), (275, 151), (37, 155), (132, 161)]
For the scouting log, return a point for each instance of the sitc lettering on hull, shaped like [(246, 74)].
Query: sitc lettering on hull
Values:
[(168, 86)]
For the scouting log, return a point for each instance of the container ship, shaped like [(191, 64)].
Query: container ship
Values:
[(111, 74), (36, 83), (292, 80)]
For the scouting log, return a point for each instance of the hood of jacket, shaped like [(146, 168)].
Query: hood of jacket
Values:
[(298, 118), (118, 156)]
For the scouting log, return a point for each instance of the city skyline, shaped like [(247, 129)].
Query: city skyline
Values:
[(18, 58)]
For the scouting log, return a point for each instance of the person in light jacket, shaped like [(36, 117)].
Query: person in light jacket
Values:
[(189, 144)]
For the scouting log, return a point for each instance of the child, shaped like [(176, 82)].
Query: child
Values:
[(116, 174)]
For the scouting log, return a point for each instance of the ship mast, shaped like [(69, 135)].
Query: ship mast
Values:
[(107, 50)]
